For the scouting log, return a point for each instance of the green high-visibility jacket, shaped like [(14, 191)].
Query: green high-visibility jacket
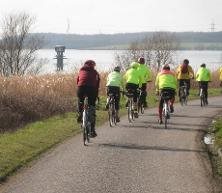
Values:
[(145, 73), (203, 74), (115, 79), (132, 76), (166, 79)]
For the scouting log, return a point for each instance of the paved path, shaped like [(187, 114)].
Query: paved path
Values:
[(131, 158)]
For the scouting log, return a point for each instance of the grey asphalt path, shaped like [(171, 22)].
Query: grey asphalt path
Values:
[(130, 158)]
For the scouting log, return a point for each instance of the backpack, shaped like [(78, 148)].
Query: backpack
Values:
[(184, 68)]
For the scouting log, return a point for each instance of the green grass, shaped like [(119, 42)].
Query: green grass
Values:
[(20, 147), (218, 143)]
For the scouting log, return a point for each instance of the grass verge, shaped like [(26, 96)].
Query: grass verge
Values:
[(22, 146), (218, 144)]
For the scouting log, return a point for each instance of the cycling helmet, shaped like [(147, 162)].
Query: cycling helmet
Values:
[(186, 61), (90, 63), (203, 65), (117, 68), (134, 65), (141, 60), (166, 67)]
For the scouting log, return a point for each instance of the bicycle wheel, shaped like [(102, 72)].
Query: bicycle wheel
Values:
[(166, 114), (114, 116), (181, 91), (110, 116), (84, 128), (142, 109), (88, 131), (129, 111)]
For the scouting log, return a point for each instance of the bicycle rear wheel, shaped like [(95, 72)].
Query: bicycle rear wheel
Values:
[(166, 114), (202, 101), (110, 116), (85, 128), (130, 111), (142, 109)]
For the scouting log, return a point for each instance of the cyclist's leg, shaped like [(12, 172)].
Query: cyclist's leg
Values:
[(144, 94), (108, 91), (200, 86), (81, 95), (205, 87), (160, 110), (128, 90), (172, 100), (92, 95), (188, 86), (135, 95), (117, 100)]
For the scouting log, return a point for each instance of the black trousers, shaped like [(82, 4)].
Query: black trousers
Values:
[(132, 88), (144, 92), (171, 93), (181, 83), (204, 85), (91, 93), (116, 93)]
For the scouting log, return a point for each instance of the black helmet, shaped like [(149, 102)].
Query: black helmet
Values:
[(117, 68), (141, 60), (203, 65), (186, 61), (166, 67)]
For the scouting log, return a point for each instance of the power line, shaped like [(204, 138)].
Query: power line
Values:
[(212, 27)]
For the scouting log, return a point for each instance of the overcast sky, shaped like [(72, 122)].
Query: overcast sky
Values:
[(114, 16)]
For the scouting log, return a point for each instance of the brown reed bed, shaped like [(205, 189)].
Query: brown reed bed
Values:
[(30, 98)]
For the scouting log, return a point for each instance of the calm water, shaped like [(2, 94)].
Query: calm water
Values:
[(105, 58)]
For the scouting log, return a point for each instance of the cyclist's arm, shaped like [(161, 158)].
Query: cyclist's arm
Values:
[(191, 72)]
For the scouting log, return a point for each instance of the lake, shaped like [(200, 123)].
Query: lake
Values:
[(105, 58)]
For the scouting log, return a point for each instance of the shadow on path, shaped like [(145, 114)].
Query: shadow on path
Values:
[(154, 148)]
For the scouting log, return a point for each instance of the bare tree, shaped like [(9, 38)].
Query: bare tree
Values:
[(157, 50), (17, 47)]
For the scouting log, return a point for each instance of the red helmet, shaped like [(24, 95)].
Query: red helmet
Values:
[(90, 63), (141, 60)]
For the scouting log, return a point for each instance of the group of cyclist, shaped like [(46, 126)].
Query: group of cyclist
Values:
[(136, 78)]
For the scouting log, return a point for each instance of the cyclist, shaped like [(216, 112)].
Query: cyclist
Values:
[(203, 76), (220, 76), (184, 74), (114, 85), (166, 82), (145, 73), (133, 80), (88, 84)]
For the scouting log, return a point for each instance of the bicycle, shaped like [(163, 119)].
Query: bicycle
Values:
[(140, 102), (203, 98), (166, 108), (130, 110), (183, 94), (86, 122), (112, 110)]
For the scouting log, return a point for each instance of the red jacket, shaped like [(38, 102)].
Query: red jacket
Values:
[(88, 76)]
